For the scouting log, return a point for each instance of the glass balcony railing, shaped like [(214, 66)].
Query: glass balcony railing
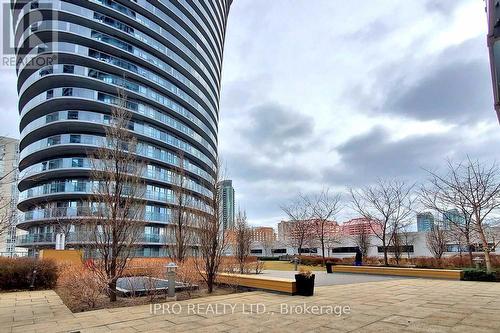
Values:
[(150, 172), (143, 149), (82, 237), (81, 212), (139, 128)]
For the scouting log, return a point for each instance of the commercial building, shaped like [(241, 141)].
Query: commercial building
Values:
[(360, 225), (9, 158), (288, 232), (425, 221), (164, 56), (452, 217), (228, 204), (263, 234)]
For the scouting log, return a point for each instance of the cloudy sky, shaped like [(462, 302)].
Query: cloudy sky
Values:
[(331, 93)]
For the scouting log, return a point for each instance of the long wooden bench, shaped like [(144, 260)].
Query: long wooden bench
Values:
[(259, 282), (401, 271)]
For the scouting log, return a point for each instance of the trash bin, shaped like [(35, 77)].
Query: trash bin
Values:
[(329, 267)]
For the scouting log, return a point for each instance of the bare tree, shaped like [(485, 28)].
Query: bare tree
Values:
[(439, 196), (323, 208), (8, 218), (8, 215), (407, 239), (437, 240), (267, 244), (362, 241), (301, 231), (118, 193), (387, 205), (472, 187), (183, 214), (243, 235), (211, 239)]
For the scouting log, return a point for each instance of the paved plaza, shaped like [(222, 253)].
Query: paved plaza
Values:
[(322, 278), (393, 305)]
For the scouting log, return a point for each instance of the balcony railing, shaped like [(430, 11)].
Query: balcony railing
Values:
[(82, 237)]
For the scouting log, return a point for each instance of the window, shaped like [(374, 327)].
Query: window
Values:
[(278, 251), (46, 71), (50, 94), (67, 92), (68, 69), (310, 250), (406, 248), (256, 251), (77, 162), (52, 117), (75, 138), (344, 249), (54, 140), (34, 5), (72, 115)]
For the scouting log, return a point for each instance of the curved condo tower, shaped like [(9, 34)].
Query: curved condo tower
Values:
[(74, 57)]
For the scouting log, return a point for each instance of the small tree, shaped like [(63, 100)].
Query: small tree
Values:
[(323, 208), (243, 240), (301, 231), (387, 205), (118, 193), (362, 241), (8, 216), (437, 240), (211, 239), (183, 214)]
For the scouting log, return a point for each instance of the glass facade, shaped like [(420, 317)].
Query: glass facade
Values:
[(166, 56)]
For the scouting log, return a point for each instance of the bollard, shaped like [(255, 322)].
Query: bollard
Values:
[(171, 268)]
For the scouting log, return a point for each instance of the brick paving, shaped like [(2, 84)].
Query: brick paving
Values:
[(406, 305)]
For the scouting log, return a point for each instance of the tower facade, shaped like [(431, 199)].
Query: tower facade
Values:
[(228, 204), (76, 59)]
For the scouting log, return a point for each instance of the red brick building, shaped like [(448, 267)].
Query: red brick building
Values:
[(361, 225)]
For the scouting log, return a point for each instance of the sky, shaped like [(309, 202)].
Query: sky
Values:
[(334, 94)]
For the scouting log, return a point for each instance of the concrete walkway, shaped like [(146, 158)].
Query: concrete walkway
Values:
[(415, 305), (325, 279)]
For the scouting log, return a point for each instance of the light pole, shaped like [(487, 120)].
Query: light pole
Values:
[(171, 268)]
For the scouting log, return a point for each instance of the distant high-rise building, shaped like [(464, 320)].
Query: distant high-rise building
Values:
[(9, 158), (425, 221), (227, 215), (452, 217)]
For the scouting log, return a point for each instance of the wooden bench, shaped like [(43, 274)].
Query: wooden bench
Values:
[(401, 271), (259, 282)]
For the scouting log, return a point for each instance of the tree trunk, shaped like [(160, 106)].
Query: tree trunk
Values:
[(486, 250), (469, 249), (112, 290), (210, 283)]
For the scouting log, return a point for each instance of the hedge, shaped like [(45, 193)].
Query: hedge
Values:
[(473, 274), (17, 273)]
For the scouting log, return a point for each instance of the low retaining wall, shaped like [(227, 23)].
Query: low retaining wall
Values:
[(400, 271), (259, 282)]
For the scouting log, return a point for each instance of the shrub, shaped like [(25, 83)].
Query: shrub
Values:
[(81, 285), (473, 274), (311, 261), (17, 273), (268, 258)]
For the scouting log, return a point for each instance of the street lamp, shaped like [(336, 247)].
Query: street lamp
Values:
[(171, 269)]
